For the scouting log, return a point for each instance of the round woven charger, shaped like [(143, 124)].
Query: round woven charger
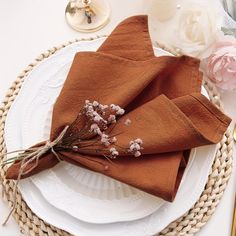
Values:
[(188, 224)]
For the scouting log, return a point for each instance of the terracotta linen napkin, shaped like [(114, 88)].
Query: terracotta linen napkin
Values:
[(161, 96)]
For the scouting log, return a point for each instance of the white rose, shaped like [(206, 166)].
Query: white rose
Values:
[(197, 29), (191, 30)]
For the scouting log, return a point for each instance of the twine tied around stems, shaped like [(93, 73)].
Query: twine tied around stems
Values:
[(31, 155)]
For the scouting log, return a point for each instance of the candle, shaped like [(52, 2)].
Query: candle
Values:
[(163, 9)]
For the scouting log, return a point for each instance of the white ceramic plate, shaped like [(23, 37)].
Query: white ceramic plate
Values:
[(45, 90)]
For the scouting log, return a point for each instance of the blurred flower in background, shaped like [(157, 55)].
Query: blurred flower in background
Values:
[(220, 66), (197, 29)]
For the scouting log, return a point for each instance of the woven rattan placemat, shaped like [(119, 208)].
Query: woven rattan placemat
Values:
[(189, 224)]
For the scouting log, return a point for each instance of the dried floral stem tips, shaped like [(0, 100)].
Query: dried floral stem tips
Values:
[(100, 117), (106, 167), (135, 147), (114, 153), (127, 122), (75, 148)]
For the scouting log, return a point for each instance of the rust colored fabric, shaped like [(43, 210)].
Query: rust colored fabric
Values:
[(161, 96)]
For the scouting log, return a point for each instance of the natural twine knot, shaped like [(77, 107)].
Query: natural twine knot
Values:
[(33, 156)]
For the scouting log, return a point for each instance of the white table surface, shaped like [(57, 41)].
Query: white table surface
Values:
[(31, 27)]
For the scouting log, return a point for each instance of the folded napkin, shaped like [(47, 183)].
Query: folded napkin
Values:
[(162, 99)]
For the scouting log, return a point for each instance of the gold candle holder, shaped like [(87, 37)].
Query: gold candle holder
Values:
[(87, 15)]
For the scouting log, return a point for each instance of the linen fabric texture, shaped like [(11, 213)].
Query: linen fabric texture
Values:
[(161, 96)]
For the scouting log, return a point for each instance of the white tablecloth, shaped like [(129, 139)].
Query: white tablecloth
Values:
[(30, 27)]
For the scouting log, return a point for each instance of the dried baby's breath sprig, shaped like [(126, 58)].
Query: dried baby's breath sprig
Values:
[(114, 152), (100, 119), (97, 119), (88, 133), (127, 122), (135, 147)]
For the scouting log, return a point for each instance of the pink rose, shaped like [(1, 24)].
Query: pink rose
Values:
[(220, 66)]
